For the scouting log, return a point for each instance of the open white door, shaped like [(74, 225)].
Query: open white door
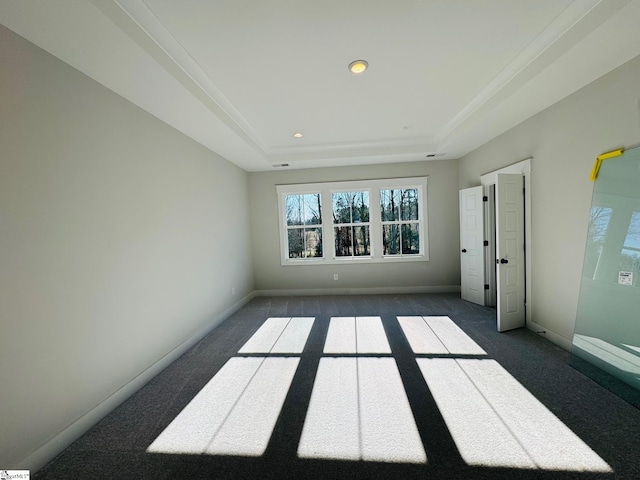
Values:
[(471, 245), (510, 261)]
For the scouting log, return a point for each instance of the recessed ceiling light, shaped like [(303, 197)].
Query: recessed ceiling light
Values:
[(358, 66), (297, 135)]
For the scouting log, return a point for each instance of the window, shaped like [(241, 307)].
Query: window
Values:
[(370, 221), (400, 221), (351, 224), (304, 215)]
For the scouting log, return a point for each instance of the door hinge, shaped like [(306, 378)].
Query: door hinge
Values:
[(486, 243), (486, 286), (485, 198)]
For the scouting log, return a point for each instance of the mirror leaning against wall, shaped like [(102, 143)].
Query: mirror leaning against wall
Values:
[(607, 329)]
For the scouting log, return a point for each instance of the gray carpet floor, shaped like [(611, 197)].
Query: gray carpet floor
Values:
[(116, 446)]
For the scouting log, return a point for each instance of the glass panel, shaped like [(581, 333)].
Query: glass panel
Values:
[(361, 244), (305, 242), (343, 241), (598, 225), (409, 210), (313, 242), (390, 239), (390, 205), (599, 222), (312, 209), (360, 211), (633, 233), (342, 207), (303, 209), (606, 330), (630, 264), (350, 207), (410, 239), (296, 242), (294, 208)]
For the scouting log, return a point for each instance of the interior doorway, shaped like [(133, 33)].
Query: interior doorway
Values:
[(506, 220)]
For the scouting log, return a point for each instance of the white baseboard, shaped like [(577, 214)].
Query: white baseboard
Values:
[(358, 291), (53, 447), (550, 335)]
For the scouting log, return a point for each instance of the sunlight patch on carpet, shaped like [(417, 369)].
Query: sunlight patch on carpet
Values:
[(349, 335), (359, 411), (496, 422), (234, 414), (280, 335), (437, 335)]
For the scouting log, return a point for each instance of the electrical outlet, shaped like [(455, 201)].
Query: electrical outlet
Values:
[(335, 276)]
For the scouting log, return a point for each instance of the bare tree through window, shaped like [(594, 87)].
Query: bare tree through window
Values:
[(304, 225), (351, 224), (400, 221)]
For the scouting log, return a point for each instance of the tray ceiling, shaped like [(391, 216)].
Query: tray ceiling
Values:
[(241, 78)]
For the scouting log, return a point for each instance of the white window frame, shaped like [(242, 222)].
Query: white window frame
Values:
[(326, 191)]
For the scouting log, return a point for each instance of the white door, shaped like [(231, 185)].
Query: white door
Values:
[(510, 259), (472, 245)]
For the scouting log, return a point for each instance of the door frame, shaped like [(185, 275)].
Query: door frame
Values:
[(523, 167)]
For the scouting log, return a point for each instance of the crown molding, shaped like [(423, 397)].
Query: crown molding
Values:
[(138, 21), (578, 20)]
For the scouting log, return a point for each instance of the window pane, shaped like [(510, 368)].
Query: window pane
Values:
[(294, 209), (361, 243), (350, 207), (313, 242), (409, 205), (303, 209), (390, 205), (312, 209), (360, 208), (296, 242), (410, 239), (343, 241), (342, 207), (305, 242), (390, 240)]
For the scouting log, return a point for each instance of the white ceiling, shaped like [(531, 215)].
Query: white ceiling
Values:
[(241, 76)]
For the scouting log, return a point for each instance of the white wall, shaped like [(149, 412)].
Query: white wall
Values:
[(442, 271), (563, 141), (120, 239)]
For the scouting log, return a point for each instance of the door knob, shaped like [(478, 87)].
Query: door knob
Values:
[(464, 250), (504, 260)]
